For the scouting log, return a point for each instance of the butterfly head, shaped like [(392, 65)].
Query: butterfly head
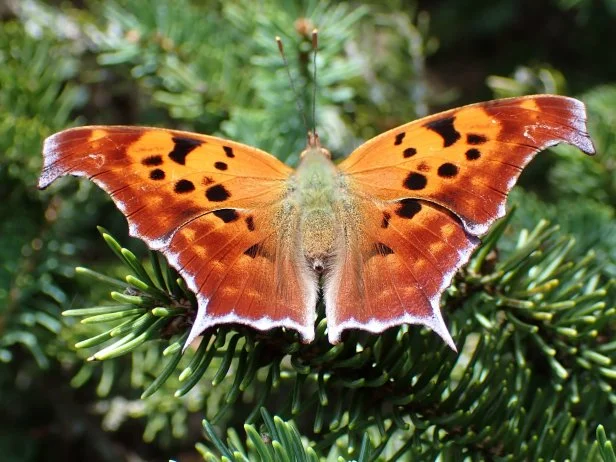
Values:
[(314, 144)]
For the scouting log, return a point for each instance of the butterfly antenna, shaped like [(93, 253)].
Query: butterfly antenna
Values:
[(315, 46), (300, 107)]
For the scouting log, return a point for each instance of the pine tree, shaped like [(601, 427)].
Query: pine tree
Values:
[(533, 313)]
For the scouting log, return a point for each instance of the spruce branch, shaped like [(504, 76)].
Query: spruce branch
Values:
[(34, 101), (606, 448), (278, 441)]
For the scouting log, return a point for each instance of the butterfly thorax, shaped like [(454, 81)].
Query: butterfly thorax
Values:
[(316, 184)]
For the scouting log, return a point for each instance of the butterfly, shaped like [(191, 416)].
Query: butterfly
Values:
[(381, 234)]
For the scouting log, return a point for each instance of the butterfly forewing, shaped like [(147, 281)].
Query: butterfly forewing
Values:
[(213, 207), (467, 159)]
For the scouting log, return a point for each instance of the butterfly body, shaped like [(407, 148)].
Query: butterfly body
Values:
[(319, 192), (387, 227)]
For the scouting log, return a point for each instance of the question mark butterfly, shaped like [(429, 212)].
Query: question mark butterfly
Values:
[(383, 232)]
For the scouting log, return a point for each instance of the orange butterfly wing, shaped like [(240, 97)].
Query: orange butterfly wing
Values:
[(424, 191), (212, 206)]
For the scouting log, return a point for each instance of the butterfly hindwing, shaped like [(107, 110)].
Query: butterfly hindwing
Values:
[(406, 254), (210, 206)]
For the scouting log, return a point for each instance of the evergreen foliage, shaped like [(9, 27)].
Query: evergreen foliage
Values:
[(533, 313)]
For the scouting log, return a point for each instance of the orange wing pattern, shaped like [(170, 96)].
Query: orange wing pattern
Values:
[(210, 206), (406, 254), (466, 159), (425, 190)]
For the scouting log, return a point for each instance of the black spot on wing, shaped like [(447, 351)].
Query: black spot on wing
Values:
[(408, 208), (182, 147), (252, 251), (183, 187), (250, 223), (152, 161), (383, 249), (415, 181), (157, 174), (386, 218), (473, 154), (221, 166), (447, 170), (217, 193), (475, 138), (445, 128), (409, 152), (399, 138), (226, 215), (228, 151)]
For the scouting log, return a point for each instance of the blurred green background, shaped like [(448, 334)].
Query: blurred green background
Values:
[(213, 67)]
